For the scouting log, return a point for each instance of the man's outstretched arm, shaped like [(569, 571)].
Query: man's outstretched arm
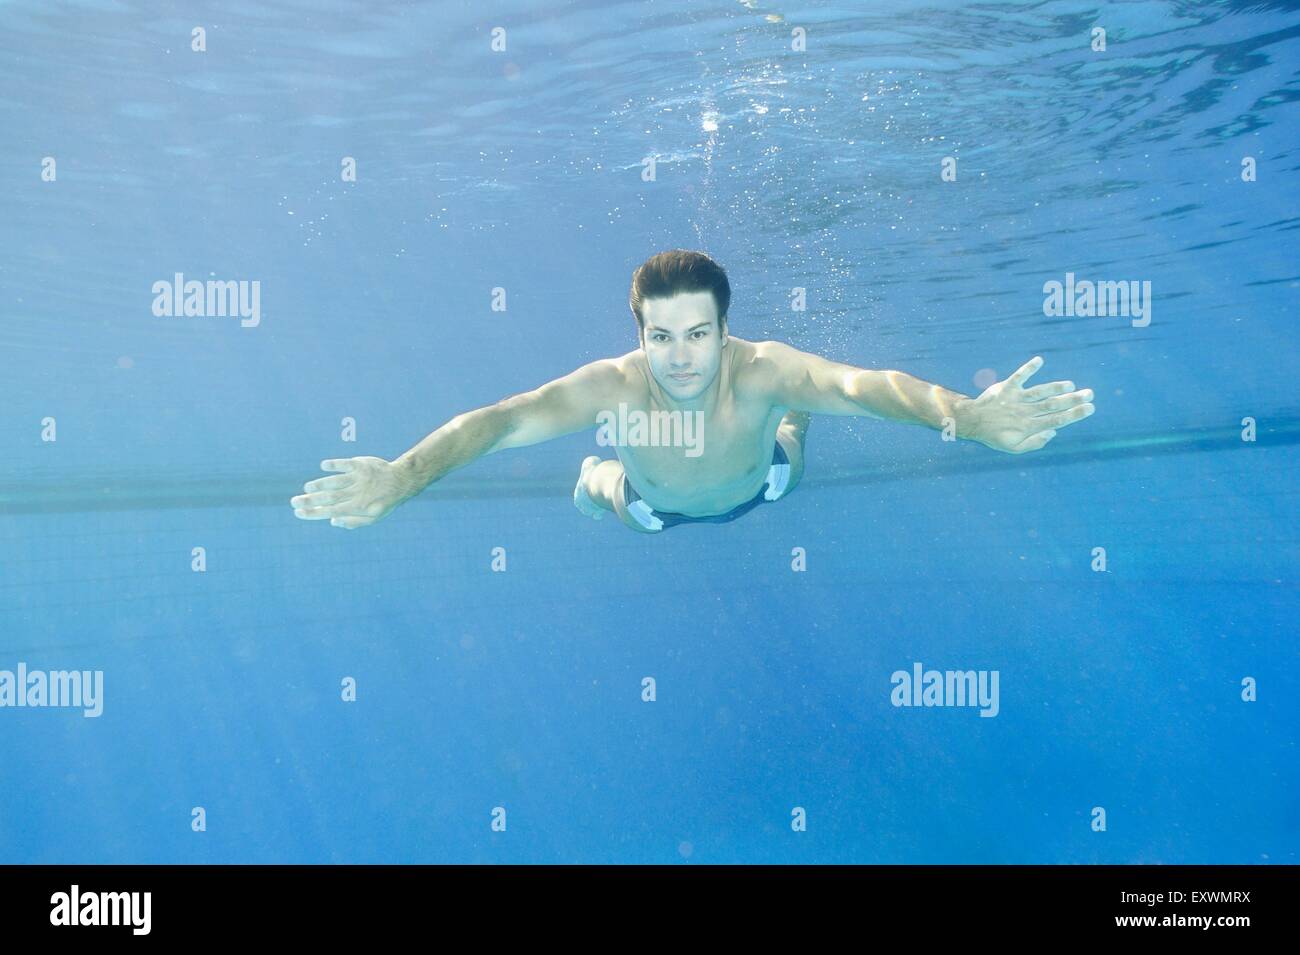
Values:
[(367, 489), (1006, 416)]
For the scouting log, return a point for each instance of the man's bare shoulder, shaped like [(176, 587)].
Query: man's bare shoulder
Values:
[(620, 374), (760, 366), (774, 351)]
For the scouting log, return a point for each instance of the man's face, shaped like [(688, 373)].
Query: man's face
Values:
[(683, 342)]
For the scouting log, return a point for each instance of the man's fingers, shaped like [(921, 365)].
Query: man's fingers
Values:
[(1049, 390), (1033, 442), (319, 499), (1063, 402), (1062, 418), (1021, 374), (350, 523), (334, 482), (331, 513), (313, 513), (332, 497)]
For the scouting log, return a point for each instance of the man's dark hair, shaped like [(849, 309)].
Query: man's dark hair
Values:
[(679, 270)]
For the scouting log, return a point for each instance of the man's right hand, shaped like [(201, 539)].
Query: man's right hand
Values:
[(368, 489)]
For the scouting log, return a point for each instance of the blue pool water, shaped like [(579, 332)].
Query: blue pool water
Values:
[(522, 169)]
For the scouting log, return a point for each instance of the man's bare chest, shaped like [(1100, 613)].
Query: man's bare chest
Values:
[(704, 464)]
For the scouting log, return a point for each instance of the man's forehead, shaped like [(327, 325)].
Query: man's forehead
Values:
[(683, 309)]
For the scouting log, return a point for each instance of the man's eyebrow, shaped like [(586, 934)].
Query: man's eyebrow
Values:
[(656, 328)]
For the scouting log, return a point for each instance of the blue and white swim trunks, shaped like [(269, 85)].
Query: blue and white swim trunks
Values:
[(778, 479)]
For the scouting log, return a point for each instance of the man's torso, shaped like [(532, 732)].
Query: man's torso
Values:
[(737, 438)]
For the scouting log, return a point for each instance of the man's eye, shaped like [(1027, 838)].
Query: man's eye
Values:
[(701, 332)]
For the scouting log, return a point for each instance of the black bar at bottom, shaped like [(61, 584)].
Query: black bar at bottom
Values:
[(334, 904)]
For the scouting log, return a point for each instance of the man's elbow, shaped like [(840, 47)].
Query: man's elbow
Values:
[(859, 388), (526, 419), (493, 427)]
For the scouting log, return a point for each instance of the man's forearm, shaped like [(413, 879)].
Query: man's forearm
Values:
[(901, 397), (463, 439)]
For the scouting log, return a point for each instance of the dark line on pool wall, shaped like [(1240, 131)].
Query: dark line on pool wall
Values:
[(1085, 452), (124, 492)]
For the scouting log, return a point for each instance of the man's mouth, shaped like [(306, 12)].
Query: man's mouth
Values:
[(682, 377)]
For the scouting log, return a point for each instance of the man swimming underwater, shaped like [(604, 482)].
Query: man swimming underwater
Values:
[(750, 404)]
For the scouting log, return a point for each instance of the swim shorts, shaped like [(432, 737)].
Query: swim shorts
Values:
[(778, 478)]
